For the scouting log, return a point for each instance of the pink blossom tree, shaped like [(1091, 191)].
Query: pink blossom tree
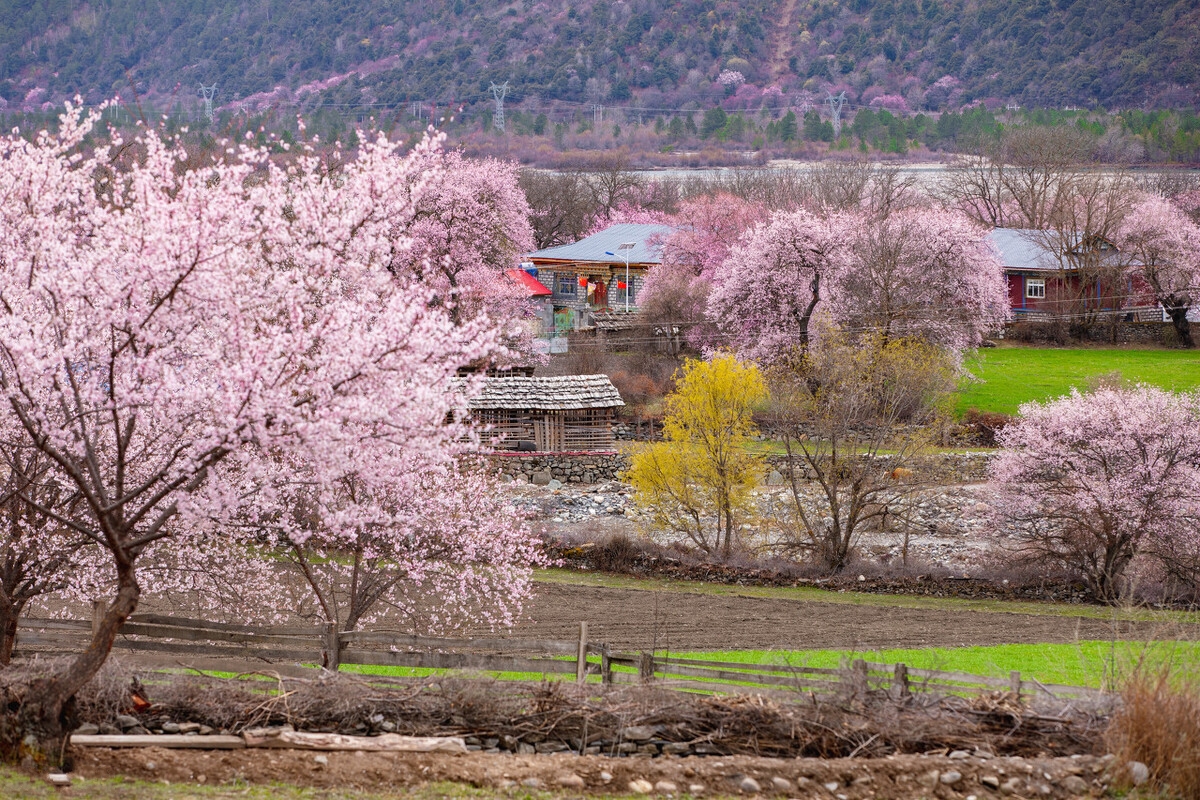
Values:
[(707, 229), (38, 556), (1163, 246), (1090, 481), (919, 273), (171, 339), (768, 289), (470, 223), (441, 548)]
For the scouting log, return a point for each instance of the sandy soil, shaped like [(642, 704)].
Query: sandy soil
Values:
[(904, 777), (632, 619)]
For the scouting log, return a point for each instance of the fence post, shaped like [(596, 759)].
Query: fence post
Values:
[(646, 668), (859, 676), (581, 658), (97, 615), (900, 680), (333, 647), (605, 665), (1014, 682)]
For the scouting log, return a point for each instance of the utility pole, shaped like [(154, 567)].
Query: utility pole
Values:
[(498, 92), (835, 111), (597, 115), (207, 93)]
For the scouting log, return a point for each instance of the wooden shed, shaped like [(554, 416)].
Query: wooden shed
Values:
[(570, 413)]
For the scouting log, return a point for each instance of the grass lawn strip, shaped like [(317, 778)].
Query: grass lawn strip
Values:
[(1010, 376), (815, 595), (1097, 664)]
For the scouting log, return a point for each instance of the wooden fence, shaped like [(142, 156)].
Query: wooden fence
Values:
[(162, 641), (859, 677)]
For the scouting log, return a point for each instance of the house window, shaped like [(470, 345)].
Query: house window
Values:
[(565, 284), (618, 292), (1035, 288)]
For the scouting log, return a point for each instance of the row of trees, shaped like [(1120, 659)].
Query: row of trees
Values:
[(883, 253), (227, 377), (1104, 486)]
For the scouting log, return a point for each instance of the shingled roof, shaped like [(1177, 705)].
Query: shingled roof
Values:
[(563, 393)]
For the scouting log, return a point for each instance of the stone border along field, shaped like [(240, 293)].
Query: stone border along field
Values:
[(899, 777), (639, 619)]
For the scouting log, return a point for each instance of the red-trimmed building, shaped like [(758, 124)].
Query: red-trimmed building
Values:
[(1040, 282), (592, 276)]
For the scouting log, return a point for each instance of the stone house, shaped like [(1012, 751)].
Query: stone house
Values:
[(600, 273)]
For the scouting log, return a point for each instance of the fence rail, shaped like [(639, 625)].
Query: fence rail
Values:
[(159, 640)]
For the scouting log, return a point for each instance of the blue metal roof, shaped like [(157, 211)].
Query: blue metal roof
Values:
[(1026, 249), (647, 239), (1020, 248)]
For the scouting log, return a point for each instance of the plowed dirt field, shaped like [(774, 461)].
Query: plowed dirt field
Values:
[(677, 620)]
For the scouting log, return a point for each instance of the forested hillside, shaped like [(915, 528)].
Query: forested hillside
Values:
[(917, 55)]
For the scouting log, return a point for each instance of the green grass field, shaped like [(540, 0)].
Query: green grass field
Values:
[(1009, 376), (1093, 663)]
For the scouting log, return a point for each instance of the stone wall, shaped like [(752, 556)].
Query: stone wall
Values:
[(541, 468), (1151, 333), (1142, 333), (943, 468)]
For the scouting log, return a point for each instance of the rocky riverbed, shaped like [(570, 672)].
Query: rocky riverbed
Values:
[(950, 526)]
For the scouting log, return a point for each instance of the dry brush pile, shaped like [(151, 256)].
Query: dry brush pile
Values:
[(559, 717)]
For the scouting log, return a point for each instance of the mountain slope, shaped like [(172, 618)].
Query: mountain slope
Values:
[(915, 54)]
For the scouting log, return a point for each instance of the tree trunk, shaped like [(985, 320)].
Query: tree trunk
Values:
[(9, 614), (1183, 328), (41, 714), (727, 512)]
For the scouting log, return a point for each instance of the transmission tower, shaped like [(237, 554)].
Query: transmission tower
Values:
[(835, 111), (207, 93), (498, 92)]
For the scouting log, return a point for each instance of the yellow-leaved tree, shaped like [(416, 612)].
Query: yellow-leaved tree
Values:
[(697, 481)]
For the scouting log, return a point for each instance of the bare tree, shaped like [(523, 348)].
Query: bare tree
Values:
[(1021, 180), (1040, 168), (855, 419), (561, 205), (974, 184), (612, 181), (1079, 233)]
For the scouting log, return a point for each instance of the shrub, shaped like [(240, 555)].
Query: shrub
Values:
[(1158, 724), (983, 426)]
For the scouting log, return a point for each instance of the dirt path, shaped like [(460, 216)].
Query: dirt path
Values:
[(636, 619), (782, 40)]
